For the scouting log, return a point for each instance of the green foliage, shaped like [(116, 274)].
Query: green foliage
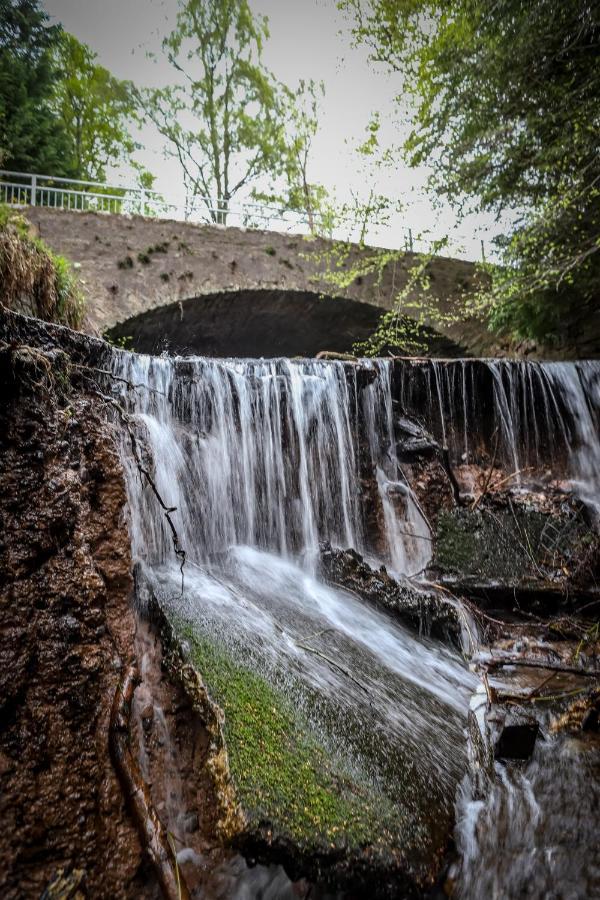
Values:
[(224, 123), (404, 328), (125, 342), (60, 112), (505, 103), (33, 276), (31, 140), (300, 109), (95, 109)]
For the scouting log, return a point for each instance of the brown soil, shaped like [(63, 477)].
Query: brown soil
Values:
[(66, 631)]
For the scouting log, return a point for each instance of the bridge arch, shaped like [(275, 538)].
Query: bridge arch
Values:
[(258, 322)]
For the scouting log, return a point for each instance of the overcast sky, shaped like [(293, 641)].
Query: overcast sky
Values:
[(309, 39)]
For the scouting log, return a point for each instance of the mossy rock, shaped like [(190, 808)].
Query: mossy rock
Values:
[(512, 545), (310, 801)]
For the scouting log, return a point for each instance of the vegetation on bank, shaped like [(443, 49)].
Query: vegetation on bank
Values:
[(33, 277)]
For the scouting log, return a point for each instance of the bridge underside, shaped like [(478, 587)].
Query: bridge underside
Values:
[(255, 323)]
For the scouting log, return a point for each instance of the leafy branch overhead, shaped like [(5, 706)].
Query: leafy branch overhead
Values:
[(96, 110), (503, 99)]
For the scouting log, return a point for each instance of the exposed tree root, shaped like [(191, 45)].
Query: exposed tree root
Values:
[(484, 491), (152, 834)]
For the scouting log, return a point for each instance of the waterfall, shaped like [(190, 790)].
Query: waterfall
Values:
[(264, 454), (537, 416), (259, 461)]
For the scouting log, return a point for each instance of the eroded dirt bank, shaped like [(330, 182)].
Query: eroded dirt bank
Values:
[(67, 630), (68, 634)]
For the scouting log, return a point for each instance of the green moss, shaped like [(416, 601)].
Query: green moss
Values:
[(282, 772), (511, 545)]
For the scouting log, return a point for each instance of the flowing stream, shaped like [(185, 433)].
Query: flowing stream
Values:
[(263, 459)]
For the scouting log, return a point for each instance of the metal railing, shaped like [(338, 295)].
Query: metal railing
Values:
[(26, 189)]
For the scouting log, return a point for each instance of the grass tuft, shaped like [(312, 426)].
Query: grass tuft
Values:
[(32, 276)]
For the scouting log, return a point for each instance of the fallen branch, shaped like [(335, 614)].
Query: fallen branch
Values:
[(152, 834), (125, 419), (486, 485), (332, 354), (333, 663), (497, 484), (538, 664), (418, 537), (451, 476), (108, 374)]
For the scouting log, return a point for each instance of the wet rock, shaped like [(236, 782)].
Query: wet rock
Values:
[(514, 543), (370, 817), (423, 611), (64, 616), (414, 441)]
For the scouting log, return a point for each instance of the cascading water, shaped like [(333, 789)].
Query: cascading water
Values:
[(535, 415), (262, 460), (263, 454), (535, 833)]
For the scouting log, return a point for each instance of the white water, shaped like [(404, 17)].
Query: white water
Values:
[(543, 817), (263, 454), (262, 460), (259, 460)]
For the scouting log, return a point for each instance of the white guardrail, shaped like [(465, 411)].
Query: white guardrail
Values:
[(25, 189)]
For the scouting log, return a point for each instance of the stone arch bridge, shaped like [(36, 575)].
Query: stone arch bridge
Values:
[(165, 284)]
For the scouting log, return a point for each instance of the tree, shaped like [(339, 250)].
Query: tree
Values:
[(506, 112), (300, 110), (94, 108), (31, 140), (224, 122)]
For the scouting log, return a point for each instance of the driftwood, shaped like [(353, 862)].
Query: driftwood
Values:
[(152, 834), (333, 354), (539, 664)]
